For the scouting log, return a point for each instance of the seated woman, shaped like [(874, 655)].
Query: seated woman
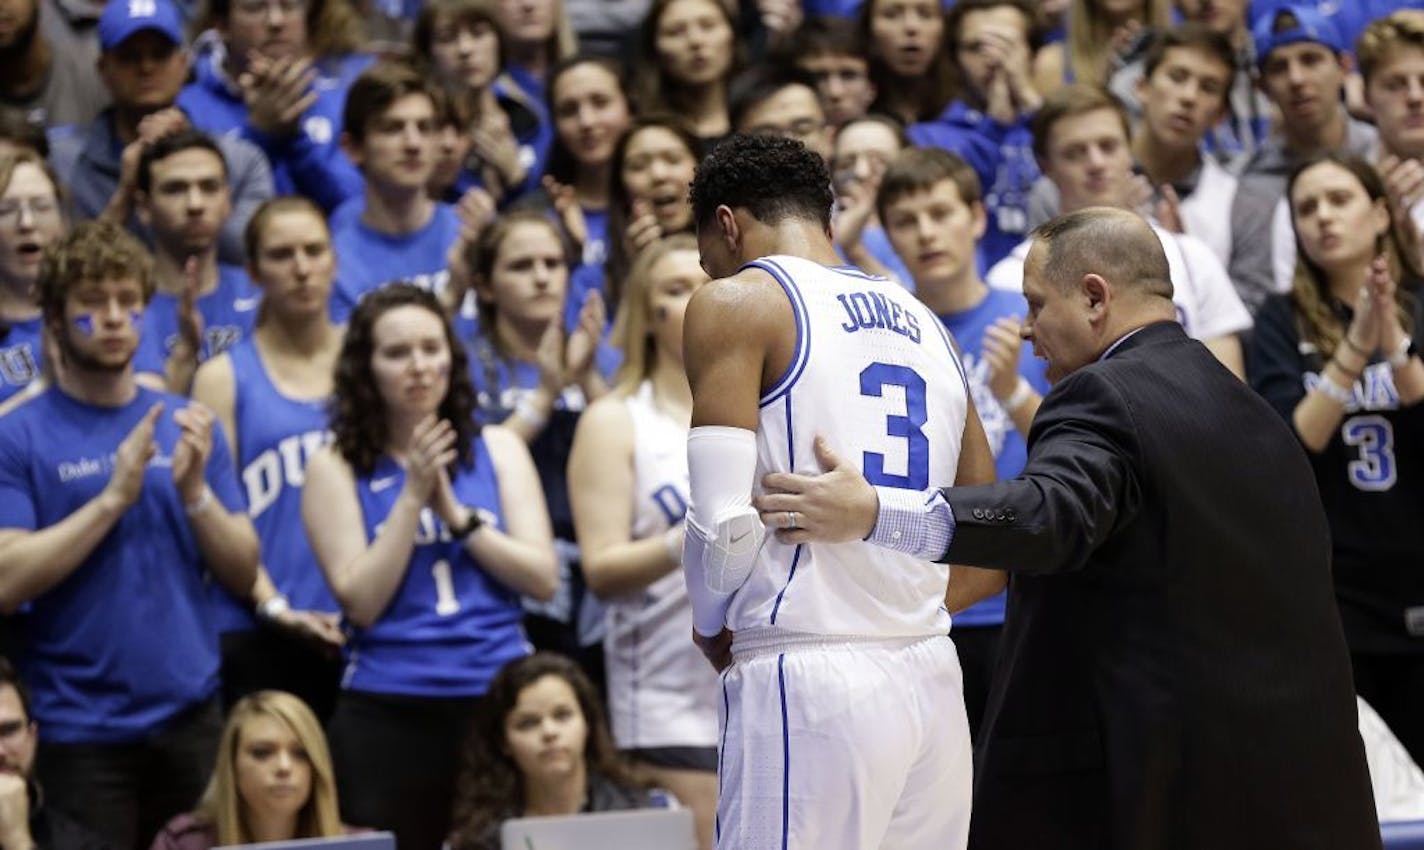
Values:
[(540, 746), (273, 780)]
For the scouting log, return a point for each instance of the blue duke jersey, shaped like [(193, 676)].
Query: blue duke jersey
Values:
[(20, 355), (876, 374), (450, 626), (124, 642), (276, 435), (229, 314)]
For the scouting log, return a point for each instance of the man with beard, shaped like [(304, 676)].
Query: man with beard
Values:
[(48, 87), (116, 503), (200, 307), (25, 820)]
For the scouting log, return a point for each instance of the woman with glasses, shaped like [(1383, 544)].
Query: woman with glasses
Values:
[(276, 72), (30, 219)]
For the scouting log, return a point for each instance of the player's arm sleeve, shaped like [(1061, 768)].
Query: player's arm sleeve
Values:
[(723, 531)]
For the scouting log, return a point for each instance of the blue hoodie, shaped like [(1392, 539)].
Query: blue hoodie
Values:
[(1002, 156), (308, 163)]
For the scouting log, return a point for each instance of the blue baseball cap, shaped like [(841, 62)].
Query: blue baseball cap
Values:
[(1311, 25), (124, 18)]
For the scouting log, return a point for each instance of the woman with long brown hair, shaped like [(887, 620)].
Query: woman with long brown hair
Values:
[(539, 746), (1338, 357), (428, 529)]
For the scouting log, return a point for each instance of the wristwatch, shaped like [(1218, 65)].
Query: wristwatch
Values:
[(274, 607), (470, 526)]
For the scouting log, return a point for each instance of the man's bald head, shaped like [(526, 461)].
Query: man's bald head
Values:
[(1115, 244)]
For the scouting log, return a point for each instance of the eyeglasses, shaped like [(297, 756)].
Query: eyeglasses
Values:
[(255, 8), (40, 209)]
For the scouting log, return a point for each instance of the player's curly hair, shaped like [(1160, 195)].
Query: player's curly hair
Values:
[(358, 413), (490, 788), (771, 177)]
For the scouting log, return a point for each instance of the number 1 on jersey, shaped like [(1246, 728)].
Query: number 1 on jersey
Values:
[(873, 381), (445, 601)]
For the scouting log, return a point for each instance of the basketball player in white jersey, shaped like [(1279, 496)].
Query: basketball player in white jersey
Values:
[(843, 717)]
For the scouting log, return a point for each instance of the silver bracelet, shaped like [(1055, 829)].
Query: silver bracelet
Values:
[(526, 410), (1399, 358), (1334, 391)]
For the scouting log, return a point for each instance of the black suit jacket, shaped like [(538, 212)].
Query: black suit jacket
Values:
[(1172, 671)]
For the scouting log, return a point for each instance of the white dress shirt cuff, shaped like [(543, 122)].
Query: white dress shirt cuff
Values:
[(915, 522)]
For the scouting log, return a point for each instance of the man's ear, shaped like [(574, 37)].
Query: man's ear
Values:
[(729, 226), (1097, 293)]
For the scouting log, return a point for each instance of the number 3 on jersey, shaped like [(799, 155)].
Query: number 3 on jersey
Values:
[(1374, 437), (873, 381)]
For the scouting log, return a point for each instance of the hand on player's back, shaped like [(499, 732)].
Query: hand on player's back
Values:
[(836, 506)]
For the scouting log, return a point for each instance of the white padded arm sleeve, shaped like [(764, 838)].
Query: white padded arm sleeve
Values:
[(724, 533)]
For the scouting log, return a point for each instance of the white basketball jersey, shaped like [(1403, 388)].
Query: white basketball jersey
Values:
[(661, 691), (875, 374)]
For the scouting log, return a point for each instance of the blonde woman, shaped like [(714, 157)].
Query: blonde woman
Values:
[(1099, 33), (628, 488), (273, 781)]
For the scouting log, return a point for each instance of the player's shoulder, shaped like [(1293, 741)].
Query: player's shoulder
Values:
[(751, 298)]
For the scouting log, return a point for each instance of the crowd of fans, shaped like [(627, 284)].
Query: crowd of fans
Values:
[(421, 270)]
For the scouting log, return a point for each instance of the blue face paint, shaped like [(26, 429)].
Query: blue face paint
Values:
[(85, 323)]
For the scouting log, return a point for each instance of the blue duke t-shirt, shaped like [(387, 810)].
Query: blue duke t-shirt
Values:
[(368, 259), (123, 643), (229, 314)]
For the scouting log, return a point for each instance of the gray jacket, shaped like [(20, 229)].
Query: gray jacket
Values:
[(87, 159)]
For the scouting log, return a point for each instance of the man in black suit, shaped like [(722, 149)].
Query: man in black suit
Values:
[(1173, 672)]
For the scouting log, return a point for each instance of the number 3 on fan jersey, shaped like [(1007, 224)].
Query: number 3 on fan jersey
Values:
[(873, 381), (1374, 437), (445, 601)]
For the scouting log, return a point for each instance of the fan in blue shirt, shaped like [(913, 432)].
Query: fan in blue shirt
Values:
[(271, 394), (400, 234), (30, 219), (993, 42), (116, 504), (239, 66), (201, 307), (934, 213)]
